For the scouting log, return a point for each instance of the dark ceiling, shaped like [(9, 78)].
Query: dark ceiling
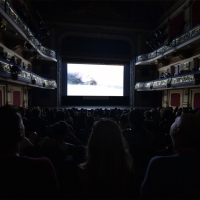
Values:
[(124, 13), (145, 14)]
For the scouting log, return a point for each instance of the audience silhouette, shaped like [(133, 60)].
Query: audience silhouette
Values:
[(176, 176), (84, 154), (22, 177)]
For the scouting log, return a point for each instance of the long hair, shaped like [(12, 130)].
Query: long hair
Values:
[(108, 162)]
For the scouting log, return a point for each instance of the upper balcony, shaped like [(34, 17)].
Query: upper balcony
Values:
[(11, 20), (189, 38)]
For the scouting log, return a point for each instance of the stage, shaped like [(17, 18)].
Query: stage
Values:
[(97, 107)]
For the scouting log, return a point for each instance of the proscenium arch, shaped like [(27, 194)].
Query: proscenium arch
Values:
[(64, 35)]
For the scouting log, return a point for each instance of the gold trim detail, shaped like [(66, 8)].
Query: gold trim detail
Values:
[(183, 79), (159, 83), (143, 85)]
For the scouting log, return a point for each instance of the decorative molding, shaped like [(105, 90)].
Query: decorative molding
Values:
[(177, 81), (183, 79), (160, 83), (145, 85)]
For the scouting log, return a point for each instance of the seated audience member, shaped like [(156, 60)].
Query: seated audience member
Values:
[(107, 173), (84, 134), (68, 118), (124, 122), (50, 117), (24, 144), (25, 120), (198, 112), (38, 124), (99, 114), (167, 119), (149, 123), (141, 143), (81, 121), (59, 116), (22, 177), (112, 115), (61, 132), (176, 176)]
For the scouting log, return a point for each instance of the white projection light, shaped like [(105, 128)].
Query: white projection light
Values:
[(95, 80)]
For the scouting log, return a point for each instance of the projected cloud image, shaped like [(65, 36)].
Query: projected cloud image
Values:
[(94, 80)]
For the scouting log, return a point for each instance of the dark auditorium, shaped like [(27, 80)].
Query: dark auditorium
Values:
[(100, 99)]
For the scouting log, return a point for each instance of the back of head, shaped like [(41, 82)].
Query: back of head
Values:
[(185, 131), (135, 118), (82, 117), (89, 121), (108, 166), (67, 115), (60, 115), (9, 127), (47, 110), (36, 112), (147, 114), (106, 147), (123, 119), (112, 113), (60, 129), (22, 111), (100, 112)]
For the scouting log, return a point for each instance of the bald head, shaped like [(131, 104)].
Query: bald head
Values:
[(185, 131)]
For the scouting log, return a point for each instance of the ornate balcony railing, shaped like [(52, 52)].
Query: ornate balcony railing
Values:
[(180, 80), (193, 33), (160, 83), (7, 8), (187, 79), (26, 76), (144, 85)]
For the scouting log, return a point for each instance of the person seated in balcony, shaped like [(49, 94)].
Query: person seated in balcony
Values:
[(176, 176), (162, 75), (22, 177), (107, 173)]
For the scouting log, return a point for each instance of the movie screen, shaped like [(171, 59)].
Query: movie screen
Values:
[(95, 80)]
